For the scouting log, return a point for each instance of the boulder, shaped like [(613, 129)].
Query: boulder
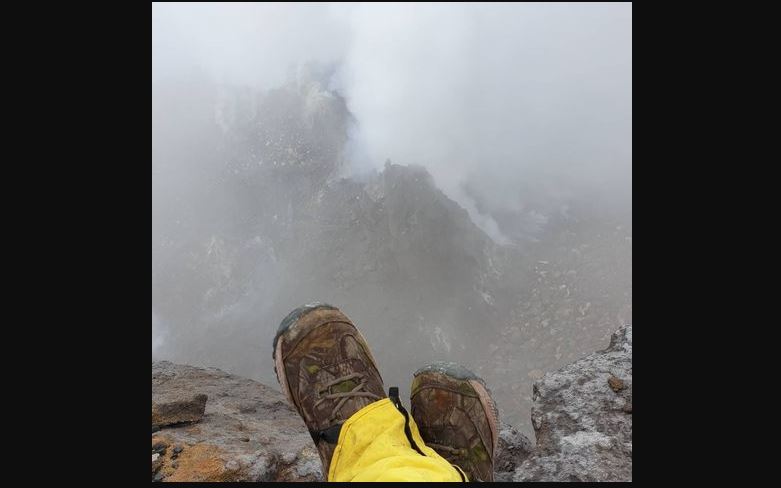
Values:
[(582, 417)]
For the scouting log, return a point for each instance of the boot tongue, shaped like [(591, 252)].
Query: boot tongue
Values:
[(344, 386)]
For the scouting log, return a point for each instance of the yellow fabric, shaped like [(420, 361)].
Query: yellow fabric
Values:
[(372, 446)]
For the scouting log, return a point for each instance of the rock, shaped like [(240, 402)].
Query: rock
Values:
[(156, 463), (159, 447), (247, 431), (513, 449), (177, 408), (580, 417), (615, 383)]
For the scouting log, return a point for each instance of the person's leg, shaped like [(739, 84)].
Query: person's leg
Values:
[(328, 374), (457, 417)]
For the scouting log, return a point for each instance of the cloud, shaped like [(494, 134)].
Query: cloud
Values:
[(509, 99), (496, 95)]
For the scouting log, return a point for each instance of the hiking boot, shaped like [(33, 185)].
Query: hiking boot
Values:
[(456, 417), (326, 370)]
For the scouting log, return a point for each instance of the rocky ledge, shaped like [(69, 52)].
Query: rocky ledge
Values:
[(246, 432), (582, 417), (208, 425)]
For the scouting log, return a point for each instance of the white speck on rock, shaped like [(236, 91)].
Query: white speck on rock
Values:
[(580, 440)]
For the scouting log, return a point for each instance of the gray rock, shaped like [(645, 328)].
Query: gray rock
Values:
[(514, 447), (582, 418), (308, 464), (156, 463), (159, 447)]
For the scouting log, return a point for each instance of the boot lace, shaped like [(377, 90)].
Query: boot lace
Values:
[(451, 450), (358, 391)]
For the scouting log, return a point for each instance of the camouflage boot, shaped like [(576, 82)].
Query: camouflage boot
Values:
[(326, 371), (456, 417)]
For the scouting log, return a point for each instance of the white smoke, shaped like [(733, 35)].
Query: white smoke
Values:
[(498, 96), (507, 98)]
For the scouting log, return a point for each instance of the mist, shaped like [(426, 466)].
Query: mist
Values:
[(497, 95), (519, 118)]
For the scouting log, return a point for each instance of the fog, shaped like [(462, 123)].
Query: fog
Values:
[(265, 116)]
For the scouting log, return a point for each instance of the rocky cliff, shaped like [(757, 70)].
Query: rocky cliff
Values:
[(208, 425)]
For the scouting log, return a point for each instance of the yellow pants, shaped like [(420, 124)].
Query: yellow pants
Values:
[(373, 446)]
